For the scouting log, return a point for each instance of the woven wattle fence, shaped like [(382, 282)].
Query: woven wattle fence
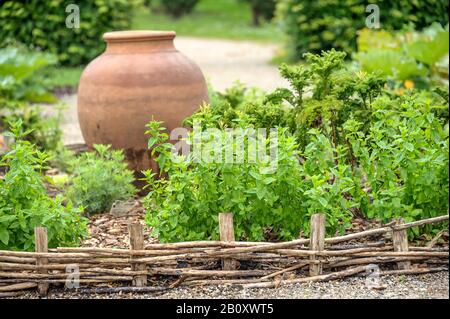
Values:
[(160, 267)]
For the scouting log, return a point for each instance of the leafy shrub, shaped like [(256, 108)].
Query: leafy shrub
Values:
[(24, 203), (313, 26), (43, 25), (226, 108), (404, 56), (185, 206), (391, 63), (22, 83), (21, 75), (362, 150), (178, 8), (337, 93), (99, 179), (402, 161)]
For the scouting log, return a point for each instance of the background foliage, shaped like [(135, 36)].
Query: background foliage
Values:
[(220, 19), (22, 83), (178, 8), (261, 9), (414, 56), (21, 74), (321, 25), (42, 24)]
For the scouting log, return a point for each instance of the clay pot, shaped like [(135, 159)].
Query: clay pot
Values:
[(140, 76)]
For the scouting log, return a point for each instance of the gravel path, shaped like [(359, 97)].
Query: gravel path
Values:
[(222, 62), (427, 286)]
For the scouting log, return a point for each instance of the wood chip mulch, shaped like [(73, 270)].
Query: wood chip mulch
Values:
[(109, 231)]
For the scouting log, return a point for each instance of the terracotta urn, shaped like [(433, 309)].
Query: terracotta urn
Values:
[(141, 76)]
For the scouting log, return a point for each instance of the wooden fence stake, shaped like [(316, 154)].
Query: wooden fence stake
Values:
[(136, 232), (227, 234), (41, 246), (400, 241), (316, 241)]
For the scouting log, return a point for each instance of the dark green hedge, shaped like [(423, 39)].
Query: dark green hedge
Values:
[(313, 26), (421, 13), (42, 24)]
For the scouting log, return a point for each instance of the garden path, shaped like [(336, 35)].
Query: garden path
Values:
[(222, 61)]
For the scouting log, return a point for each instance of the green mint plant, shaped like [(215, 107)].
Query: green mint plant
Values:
[(402, 161), (360, 149), (24, 203), (185, 204)]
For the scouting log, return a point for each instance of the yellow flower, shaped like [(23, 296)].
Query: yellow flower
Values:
[(409, 84)]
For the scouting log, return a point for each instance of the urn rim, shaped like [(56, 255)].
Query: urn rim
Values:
[(138, 35)]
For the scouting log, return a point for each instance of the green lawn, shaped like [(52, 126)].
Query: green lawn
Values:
[(64, 76), (223, 19)]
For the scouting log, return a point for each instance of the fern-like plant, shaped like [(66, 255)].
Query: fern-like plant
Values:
[(100, 178)]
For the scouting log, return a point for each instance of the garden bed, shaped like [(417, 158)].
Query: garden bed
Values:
[(369, 151)]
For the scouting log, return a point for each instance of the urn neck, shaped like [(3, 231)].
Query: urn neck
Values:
[(123, 42)]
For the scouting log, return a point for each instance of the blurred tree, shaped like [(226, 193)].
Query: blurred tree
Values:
[(261, 9), (178, 8)]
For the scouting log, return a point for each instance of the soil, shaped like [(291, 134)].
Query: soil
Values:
[(109, 231)]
